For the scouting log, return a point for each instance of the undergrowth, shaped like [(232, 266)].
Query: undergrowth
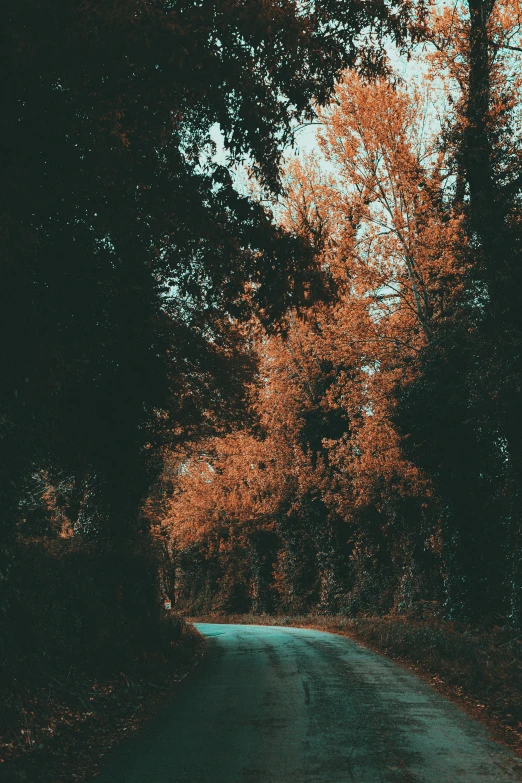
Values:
[(86, 652), (60, 729)]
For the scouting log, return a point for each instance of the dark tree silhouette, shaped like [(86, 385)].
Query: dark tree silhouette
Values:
[(129, 259)]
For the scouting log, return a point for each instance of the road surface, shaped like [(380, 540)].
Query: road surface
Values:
[(290, 705)]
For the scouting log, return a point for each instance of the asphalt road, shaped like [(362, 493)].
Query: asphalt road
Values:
[(274, 705)]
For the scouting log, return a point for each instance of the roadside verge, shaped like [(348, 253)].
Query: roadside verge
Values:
[(60, 728)]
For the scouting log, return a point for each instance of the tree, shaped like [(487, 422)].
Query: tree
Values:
[(471, 375), (127, 249), (129, 257), (399, 399), (347, 504)]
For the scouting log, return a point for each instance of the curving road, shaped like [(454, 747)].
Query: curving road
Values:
[(289, 705)]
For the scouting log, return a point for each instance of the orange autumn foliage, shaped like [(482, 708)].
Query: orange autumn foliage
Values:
[(323, 501), (326, 386)]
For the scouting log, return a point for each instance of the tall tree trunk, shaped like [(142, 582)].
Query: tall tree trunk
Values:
[(499, 264), (488, 207), (478, 147)]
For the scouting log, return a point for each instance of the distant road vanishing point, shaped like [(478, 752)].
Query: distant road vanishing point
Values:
[(290, 705)]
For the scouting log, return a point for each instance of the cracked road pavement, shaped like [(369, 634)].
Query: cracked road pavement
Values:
[(291, 705)]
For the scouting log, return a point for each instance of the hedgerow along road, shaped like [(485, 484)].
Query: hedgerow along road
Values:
[(291, 705)]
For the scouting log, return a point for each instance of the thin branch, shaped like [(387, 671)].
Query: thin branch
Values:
[(505, 46)]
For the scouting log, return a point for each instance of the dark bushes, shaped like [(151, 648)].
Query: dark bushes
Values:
[(92, 605)]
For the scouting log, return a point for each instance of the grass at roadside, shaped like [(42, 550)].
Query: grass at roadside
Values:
[(59, 727), (479, 668)]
